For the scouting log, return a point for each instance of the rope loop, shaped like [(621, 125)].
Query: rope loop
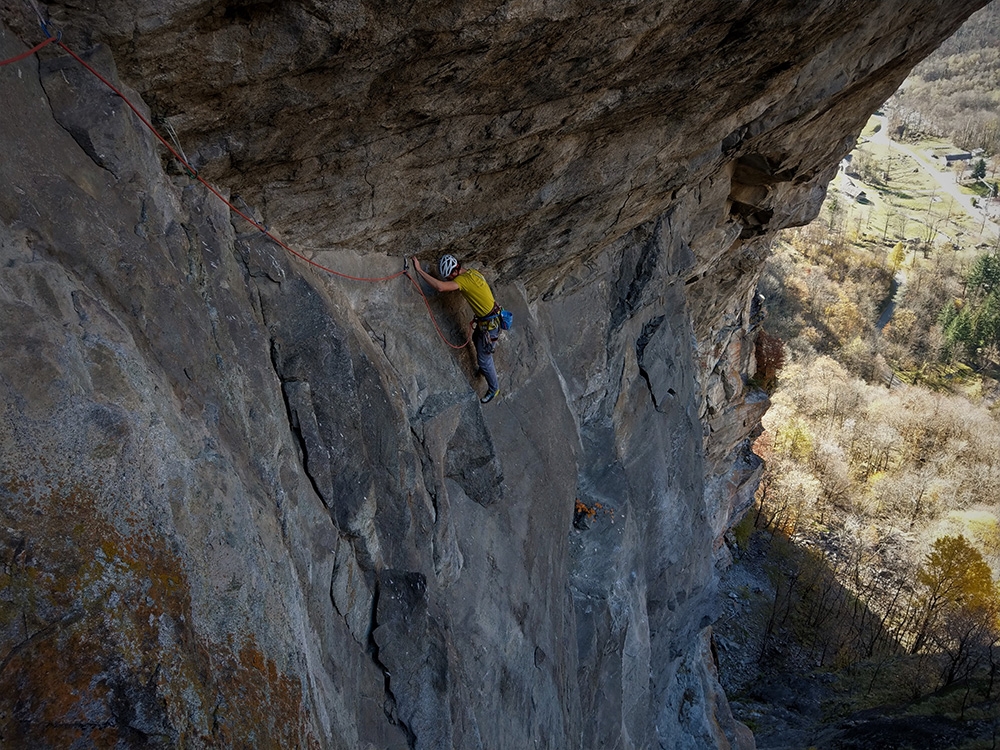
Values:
[(430, 312), (245, 216), (257, 225)]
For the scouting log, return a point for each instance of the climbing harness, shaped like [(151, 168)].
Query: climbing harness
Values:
[(489, 322), (497, 317)]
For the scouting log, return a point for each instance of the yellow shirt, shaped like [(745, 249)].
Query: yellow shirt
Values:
[(475, 289)]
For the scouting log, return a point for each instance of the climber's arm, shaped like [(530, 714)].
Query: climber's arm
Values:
[(438, 284)]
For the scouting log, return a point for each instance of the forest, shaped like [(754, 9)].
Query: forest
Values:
[(866, 575), (956, 92)]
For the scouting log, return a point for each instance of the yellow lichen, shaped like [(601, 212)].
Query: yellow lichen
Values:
[(101, 607)]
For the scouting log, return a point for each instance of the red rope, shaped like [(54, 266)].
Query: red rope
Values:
[(29, 53), (430, 312), (200, 179), (233, 208)]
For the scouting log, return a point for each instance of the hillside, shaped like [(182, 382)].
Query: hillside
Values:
[(955, 92)]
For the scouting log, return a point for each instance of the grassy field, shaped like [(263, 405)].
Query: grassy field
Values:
[(905, 203)]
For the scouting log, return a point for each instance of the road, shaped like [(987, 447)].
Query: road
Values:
[(944, 179), (897, 283)]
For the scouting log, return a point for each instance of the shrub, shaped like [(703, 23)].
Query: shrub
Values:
[(769, 353)]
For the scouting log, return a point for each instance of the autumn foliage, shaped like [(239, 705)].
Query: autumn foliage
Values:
[(769, 352), (887, 501)]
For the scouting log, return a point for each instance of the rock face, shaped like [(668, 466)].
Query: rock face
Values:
[(247, 503)]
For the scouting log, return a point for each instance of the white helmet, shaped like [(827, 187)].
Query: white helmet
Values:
[(447, 265)]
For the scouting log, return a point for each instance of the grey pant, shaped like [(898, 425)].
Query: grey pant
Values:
[(486, 342)]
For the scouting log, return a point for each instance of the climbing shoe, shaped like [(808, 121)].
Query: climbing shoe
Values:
[(489, 396)]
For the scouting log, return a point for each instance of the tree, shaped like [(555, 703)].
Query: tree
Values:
[(867, 167), (979, 169), (984, 277), (956, 584), (974, 323), (965, 637), (769, 354), (833, 205), (897, 255)]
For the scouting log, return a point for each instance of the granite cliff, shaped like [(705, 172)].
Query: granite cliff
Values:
[(244, 503)]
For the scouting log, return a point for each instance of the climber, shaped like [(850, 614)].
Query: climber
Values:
[(477, 293)]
